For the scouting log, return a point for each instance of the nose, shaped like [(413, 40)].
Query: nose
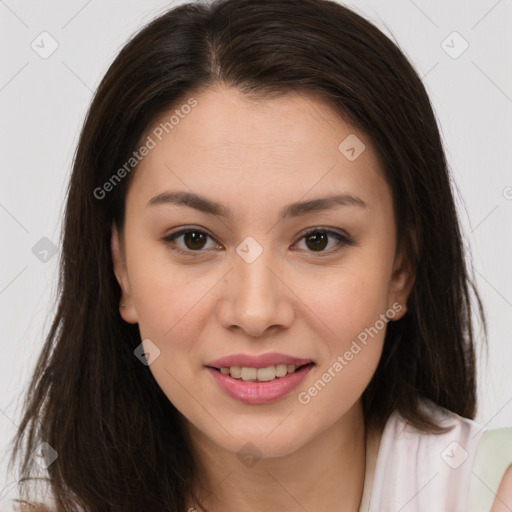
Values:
[(257, 297)]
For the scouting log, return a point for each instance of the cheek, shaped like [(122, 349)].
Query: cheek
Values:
[(167, 295), (354, 309), (352, 301), (356, 317), (349, 299), (172, 311)]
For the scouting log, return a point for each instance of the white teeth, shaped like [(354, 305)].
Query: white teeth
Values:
[(281, 370), (261, 374), (249, 373), (236, 372), (268, 373)]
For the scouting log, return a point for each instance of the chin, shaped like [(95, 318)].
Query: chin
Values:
[(260, 444)]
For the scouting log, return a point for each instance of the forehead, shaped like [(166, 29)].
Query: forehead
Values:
[(228, 142)]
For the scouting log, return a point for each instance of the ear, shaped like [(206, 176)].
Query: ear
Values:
[(404, 274), (128, 312)]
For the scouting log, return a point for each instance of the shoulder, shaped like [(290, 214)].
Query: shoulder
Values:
[(492, 482), (427, 471), (421, 470), (465, 432), (503, 500)]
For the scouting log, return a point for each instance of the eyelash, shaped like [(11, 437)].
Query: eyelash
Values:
[(342, 241)]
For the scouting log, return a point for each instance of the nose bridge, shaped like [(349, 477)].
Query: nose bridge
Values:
[(257, 299), (255, 287)]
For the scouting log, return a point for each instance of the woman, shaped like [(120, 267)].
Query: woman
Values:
[(265, 303)]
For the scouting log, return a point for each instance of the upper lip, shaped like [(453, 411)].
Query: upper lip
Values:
[(257, 361)]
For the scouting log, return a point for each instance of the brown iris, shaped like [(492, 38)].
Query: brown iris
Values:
[(318, 240), (194, 239)]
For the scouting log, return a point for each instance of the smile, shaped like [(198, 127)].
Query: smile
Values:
[(254, 386), (266, 374)]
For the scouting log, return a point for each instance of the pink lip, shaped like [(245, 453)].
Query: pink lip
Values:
[(253, 393), (260, 361)]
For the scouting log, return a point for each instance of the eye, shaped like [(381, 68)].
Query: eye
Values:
[(316, 240), (193, 240)]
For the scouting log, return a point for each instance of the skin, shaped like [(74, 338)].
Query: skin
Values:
[(503, 500), (255, 157)]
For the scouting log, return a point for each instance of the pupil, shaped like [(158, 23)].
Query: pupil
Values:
[(319, 241), (192, 238)]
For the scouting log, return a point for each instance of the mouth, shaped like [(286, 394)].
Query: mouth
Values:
[(266, 374), (260, 385)]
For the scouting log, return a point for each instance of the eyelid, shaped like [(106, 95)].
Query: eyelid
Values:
[(343, 239), (169, 239)]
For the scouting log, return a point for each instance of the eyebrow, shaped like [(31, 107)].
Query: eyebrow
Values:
[(296, 209)]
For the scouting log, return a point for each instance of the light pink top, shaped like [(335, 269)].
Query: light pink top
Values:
[(458, 471)]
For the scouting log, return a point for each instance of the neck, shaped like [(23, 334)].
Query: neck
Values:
[(326, 474)]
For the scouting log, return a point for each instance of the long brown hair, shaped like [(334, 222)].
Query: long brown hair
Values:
[(121, 444)]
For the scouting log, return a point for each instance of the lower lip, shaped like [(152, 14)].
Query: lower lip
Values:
[(260, 392)]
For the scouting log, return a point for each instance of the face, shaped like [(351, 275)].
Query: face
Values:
[(260, 261)]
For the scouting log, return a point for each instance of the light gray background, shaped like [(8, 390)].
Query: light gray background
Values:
[(43, 103)]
